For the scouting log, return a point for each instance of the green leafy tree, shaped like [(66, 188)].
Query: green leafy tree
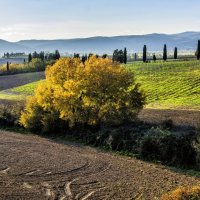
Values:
[(50, 56), (35, 55), (76, 55), (104, 56), (118, 56)]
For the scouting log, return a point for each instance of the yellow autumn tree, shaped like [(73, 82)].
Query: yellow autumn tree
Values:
[(94, 93)]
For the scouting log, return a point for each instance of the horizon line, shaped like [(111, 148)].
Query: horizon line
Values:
[(98, 36)]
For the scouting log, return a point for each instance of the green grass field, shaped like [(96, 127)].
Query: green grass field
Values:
[(168, 85), (19, 93), (17, 87)]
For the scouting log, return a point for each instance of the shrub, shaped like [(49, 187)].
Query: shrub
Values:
[(168, 147), (192, 193), (39, 120), (168, 124), (98, 92), (10, 114), (36, 65)]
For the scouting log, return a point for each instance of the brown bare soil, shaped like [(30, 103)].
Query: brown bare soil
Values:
[(32, 167), (187, 118)]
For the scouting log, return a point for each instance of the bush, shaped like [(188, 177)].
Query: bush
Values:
[(98, 92), (10, 114), (41, 121), (183, 194), (168, 124), (168, 147)]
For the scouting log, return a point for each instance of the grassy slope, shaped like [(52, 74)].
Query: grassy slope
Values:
[(11, 81), (170, 85), (19, 93), (173, 85), (17, 87)]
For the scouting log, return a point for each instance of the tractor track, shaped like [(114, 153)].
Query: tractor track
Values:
[(34, 168)]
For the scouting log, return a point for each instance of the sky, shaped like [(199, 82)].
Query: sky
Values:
[(63, 19)]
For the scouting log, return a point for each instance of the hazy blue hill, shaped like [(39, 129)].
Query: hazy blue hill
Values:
[(134, 43), (6, 46), (32, 43)]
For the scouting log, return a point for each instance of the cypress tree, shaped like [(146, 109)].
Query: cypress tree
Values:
[(29, 57), (175, 53), (135, 56), (165, 53), (41, 55), (144, 53), (115, 55), (8, 67), (120, 56), (125, 56), (56, 55), (198, 50), (35, 55), (154, 58), (83, 59)]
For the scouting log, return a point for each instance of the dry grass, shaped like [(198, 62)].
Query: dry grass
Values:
[(182, 193)]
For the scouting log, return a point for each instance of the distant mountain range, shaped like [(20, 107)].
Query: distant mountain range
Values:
[(134, 43)]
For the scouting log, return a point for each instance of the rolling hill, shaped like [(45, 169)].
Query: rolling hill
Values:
[(134, 43), (6, 46), (168, 85)]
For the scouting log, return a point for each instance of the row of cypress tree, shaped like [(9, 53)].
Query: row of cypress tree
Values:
[(43, 56), (164, 53), (121, 55)]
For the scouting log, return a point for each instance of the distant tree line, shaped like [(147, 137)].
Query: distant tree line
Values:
[(121, 56), (165, 54), (85, 57), (44, 56), (9, 55)]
